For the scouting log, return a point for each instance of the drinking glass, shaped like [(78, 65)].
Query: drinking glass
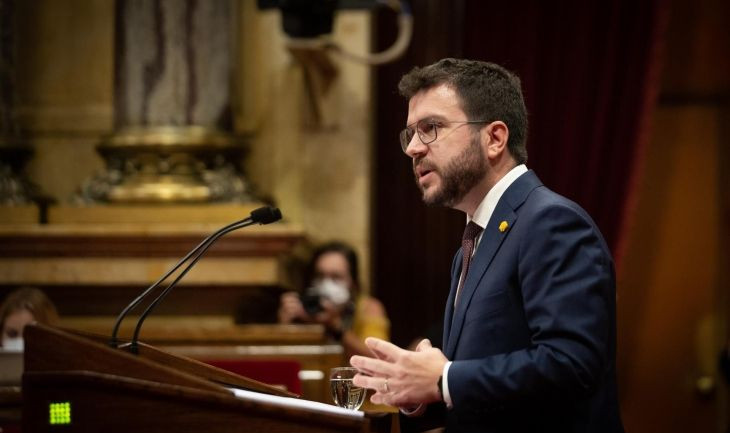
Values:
[(344, 393)]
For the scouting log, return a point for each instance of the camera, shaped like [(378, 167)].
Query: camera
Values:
[(311, 19), (312, 303)]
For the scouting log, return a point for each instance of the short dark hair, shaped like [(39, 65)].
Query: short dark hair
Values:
[(486, 90), (334, 247)]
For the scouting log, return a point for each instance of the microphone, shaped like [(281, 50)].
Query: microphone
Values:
[(262, 215), (265, 215)]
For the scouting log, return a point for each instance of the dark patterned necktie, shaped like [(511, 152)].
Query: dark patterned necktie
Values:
[(471, 232)]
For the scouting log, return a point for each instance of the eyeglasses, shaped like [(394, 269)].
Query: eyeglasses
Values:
[(427, 130)]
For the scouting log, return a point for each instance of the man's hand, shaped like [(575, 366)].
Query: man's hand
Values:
[(400, 377)]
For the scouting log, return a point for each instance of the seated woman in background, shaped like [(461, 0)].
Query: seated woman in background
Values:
[(334, 299), (21, 307)]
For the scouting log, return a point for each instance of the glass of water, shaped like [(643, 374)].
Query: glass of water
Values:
[(344, 393)]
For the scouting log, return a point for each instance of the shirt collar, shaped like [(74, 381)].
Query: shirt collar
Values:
[(489, 202)]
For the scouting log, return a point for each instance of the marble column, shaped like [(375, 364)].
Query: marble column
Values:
[(15, 188), (173, 139)]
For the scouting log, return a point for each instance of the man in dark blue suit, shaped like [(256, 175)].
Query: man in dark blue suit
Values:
[(530, 326)]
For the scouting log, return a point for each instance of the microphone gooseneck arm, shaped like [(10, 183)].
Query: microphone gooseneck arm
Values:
[(113, 341), (262, 215), (201, 251)]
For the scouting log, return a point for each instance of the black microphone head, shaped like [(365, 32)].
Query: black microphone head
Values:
[(265, 215)]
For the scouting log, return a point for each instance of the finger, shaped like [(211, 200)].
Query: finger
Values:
[(377, 398), (377, 367), (365, 371), (423, 345), (291, 303), (387, 399), (377, 355), (369, 382), (322, 317), (295, 302), (383, 349), (295, 310), (288, 296), (374, 367), (328, 305)]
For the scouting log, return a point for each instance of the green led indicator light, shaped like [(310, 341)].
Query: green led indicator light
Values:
[(59, 413)]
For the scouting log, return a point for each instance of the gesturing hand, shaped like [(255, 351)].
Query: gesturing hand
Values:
[(400, 377)]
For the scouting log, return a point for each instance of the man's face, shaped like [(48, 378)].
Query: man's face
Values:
[(449, 167)]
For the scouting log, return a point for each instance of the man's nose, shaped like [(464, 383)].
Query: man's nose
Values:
[(416, 147)]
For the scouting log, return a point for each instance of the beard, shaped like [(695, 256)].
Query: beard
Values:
[(458, 177)]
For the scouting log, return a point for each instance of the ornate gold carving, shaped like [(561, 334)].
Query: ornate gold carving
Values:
[(168, 164)]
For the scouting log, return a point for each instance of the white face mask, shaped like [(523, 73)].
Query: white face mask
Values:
[(13, 344), (333, 290)]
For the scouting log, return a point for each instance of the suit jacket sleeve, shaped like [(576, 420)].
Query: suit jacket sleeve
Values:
[(564, 273)]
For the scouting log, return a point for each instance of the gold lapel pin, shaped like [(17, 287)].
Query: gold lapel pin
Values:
[(503, 226)]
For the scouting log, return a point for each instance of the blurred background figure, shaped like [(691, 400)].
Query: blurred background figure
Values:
[(334, 298), (21, 307)]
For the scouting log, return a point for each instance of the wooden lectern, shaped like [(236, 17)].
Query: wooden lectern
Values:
[(76, 382)]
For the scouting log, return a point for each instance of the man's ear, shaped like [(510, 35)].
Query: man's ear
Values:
[(495, 135)]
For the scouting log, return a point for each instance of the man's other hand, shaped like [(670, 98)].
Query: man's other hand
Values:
[(400, 377)]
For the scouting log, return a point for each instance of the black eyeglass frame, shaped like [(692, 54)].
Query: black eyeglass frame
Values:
[(406, 135)]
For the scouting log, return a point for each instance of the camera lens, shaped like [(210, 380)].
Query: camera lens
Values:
[(311, 303)]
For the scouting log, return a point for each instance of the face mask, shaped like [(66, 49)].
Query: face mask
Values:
[(13, 344), (332, 290)]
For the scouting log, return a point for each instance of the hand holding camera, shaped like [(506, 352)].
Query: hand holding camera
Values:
[(323, 303)]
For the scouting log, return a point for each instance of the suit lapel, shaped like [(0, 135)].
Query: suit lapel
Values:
[(449, 313), (488, 246), (506, 211)]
